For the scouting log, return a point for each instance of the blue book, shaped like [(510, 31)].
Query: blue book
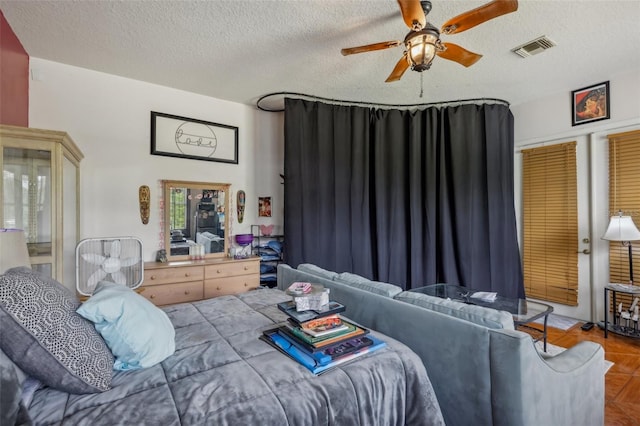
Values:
[(317, 364)]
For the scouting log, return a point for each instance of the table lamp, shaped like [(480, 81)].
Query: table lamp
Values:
[(621, 228), (13, 249)]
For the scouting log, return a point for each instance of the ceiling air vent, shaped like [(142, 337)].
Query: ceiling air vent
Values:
[(534, 47)]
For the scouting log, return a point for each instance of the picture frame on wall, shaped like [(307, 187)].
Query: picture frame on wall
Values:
[(182, 137), (264, 206), (590, 104)]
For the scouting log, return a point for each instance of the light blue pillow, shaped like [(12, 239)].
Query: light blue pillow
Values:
[(138, 333)]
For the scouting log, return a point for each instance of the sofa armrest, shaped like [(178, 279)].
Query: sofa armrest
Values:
[(529, 389), (574, 357)]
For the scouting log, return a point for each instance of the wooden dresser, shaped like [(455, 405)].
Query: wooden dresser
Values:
[(186, 281)]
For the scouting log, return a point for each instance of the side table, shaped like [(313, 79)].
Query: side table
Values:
[(617, 326)]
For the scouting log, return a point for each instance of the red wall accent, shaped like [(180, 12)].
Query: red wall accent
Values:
[(14, 78)]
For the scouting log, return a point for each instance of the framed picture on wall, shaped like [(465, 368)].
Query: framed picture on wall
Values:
[(264, 206), (182, 137), (590, 104)]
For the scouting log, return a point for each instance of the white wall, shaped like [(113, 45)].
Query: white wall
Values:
[(108, 117), (547, 121)]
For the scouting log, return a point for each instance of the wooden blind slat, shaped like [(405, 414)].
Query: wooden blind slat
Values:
[(624, 194), (550, 223)]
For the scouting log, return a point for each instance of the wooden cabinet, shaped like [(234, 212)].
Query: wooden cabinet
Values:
[(177, 282), (231, 278), (40, 194)]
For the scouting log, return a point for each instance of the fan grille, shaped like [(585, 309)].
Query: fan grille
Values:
[(117, 260)]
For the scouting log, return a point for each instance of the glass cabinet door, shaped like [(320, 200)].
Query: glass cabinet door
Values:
[(27, 188), (40, 194)]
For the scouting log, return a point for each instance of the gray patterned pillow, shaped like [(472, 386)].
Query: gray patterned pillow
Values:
[(46, 338)]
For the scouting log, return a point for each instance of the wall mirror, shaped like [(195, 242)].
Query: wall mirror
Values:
[(195, 213)]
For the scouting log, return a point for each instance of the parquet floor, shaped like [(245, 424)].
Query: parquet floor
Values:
[(622, 382)]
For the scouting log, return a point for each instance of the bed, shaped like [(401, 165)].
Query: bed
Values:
[(222, 374)]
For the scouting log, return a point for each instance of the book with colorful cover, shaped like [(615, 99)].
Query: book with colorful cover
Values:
[(344, 348), (319, 343), (317, 364), (333, 351), (324, 326)]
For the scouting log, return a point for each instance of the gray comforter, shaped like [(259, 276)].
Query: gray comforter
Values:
[(222, 374)]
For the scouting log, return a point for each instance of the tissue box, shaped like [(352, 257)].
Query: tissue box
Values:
[(312, 301)]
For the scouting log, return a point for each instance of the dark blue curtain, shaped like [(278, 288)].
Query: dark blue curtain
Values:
[(407, 197)]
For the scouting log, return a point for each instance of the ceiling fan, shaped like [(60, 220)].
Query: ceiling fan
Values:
[(423, 41)]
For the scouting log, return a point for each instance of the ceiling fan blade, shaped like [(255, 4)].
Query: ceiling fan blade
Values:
[(370, 47), (412, 13), (458, 54), (400, 68), (479, 15)]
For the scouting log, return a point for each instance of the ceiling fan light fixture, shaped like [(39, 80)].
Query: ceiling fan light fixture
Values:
[(421, 47)]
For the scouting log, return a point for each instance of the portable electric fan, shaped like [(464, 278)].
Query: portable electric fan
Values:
[(118, 260)]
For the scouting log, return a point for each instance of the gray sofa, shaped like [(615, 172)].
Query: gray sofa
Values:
[(483, 371)]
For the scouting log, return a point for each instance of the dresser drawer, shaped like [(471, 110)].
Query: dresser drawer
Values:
[(173, 275), (232, 269), (230, 285), (166, 294)]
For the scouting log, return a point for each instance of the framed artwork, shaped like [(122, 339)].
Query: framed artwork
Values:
[(264, 206), (590, 104), (182, 137)]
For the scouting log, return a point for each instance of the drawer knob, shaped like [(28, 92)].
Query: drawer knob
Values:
[(218, 288), (153, 277), (245, 284), (186, 292), (219, 271), (186, 274), (153, 296), (246, 268)]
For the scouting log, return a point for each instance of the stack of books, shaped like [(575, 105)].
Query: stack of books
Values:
[(320, 339)]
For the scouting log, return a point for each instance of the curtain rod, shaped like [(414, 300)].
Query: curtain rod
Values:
[(359, 103)]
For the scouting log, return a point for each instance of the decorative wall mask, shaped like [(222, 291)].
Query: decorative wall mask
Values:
[(240, 205), (144, 196)]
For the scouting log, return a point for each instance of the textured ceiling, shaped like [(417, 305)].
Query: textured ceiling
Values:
[(240, 50)]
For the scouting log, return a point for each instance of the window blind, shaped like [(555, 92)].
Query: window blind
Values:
[(551, 223), (624, 195)]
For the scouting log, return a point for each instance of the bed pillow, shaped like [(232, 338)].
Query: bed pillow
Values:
[(44, 336), (138, 333)]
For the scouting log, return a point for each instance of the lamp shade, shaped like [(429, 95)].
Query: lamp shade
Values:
[(421, 47), (621, 228), (13, 249)]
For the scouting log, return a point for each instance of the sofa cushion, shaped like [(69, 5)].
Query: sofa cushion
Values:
[(316, 270), (491, 318), (383, 289), (46, 338)]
